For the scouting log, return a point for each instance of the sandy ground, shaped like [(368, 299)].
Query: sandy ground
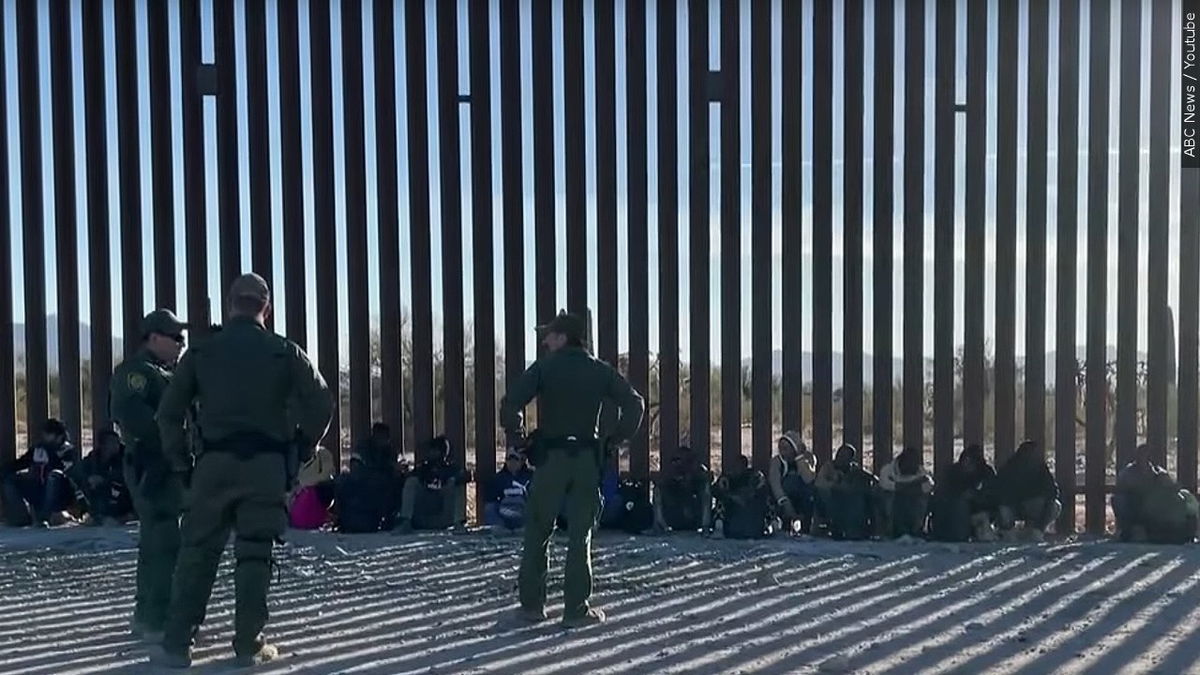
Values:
[(443, 604)]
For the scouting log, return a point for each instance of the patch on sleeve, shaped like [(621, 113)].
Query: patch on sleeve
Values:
[(137, 382)]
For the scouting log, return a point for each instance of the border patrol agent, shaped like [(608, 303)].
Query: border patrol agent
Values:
[(252, 389), (571, 386), (135, 390)]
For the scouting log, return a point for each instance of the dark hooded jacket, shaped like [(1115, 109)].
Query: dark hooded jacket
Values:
[(1023, 477), (962, 478)]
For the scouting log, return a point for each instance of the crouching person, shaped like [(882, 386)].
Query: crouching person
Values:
[(35, 486), (1026, 493), (434, 496), (316, 491), (508, 493), (364, 497), (1149, 506), (847, 493), (961, 506), (683, 499), (100, 479), (742, 502), (792, 477), (904, 487)]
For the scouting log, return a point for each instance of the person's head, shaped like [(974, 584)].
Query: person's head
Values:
[(437, 449), (107, 443), (909, 461), (741, 464), (514, 462), (54, 432), (381, 434), (164, 335), (1028, 452), (1144, 454), (566, 330), (250, 297), (790, 446), (684, 456), (972, 458), (845, 456)]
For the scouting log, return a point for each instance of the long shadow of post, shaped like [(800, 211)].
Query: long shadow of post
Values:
[(365, 648), (912, 616), (742, 589), (1010, 624), (1179, 603), (1114, 611), (865, 600)]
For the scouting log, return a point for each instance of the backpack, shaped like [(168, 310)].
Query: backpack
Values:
[(629, 509), (307, 511)]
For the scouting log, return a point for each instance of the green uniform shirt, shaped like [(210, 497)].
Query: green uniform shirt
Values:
[(571, 386), (244, 378), (135, 390)]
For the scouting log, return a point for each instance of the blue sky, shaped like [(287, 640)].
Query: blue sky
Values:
[(841, 80)]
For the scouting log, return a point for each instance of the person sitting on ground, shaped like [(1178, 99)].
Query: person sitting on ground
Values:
[(36, 489), (365, 496), (309, 504), (508, 494), (742, 502), (904, 487), (1149, 506), (847, 493), (434, 496), (1025, 492), (792, 477), (625, 502), (961, 507), (683, 498), (99, 480), (376, 449)]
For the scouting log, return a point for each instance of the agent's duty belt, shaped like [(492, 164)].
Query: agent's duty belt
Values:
[(245, 444), (569, 442)]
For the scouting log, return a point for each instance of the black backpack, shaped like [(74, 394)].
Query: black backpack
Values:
[(632, 511)]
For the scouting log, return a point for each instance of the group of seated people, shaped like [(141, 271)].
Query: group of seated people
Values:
[(51, 484), (380, 491), (843, 500)]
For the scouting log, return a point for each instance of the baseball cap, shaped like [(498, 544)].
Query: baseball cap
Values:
[(566, 324), (164, 322), (250, 285)]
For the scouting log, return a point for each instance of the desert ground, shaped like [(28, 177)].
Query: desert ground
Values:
[(439, 603)]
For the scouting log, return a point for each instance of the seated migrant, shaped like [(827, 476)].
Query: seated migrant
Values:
[(1025, 492), (962, 505), (904, 489), (683, 495), (792, 478), (1149, 506), (848, 495)]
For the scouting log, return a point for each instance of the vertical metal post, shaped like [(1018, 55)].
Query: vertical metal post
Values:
[(66, 226), (1097, 281), (883, 157), (639, 252)]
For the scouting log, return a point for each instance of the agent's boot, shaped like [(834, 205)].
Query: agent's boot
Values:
[(593, 617), (266, 653), (169, 658), (531, 614)]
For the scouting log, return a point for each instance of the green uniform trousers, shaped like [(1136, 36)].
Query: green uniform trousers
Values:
[(157, 498), (247, 496), (575, 475)]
